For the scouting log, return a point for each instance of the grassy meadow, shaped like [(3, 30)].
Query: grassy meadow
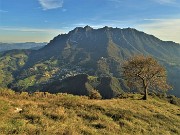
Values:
[(65, 114)]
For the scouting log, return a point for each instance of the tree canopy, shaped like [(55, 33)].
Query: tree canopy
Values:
[(145, 73)]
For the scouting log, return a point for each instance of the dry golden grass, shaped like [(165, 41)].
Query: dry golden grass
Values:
[(65, 114)]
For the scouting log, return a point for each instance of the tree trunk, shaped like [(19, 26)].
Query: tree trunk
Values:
[(145, 94)]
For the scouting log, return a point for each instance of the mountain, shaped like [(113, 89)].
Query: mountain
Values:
[(108, 42), (96, 52), (26, 45)]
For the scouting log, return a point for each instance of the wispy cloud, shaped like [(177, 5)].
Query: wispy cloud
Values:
[(51, 4), (165, 29), (64, 10), (153, 19), (25, 29), (114, 21), (24, 34), (118, 1), (3, 11), (165, 1)]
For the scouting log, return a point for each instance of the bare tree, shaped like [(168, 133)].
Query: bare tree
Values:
[(145, 73)]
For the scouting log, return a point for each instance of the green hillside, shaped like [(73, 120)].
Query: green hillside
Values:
[(10, 63), (64, 114)]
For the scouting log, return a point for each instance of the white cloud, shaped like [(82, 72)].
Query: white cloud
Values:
[(165, 29), (51, 4)]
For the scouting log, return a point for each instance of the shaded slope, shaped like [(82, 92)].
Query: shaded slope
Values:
[(82, 84)]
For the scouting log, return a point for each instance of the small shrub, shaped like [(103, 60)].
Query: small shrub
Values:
[(99, 126), (94, 94), (56, 114), (173, 100), (122, 95), (6, 92), (152, 94), (161, 95), (33, 118), (24, 95)]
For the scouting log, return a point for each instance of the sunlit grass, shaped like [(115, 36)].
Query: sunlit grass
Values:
[(44, 113)]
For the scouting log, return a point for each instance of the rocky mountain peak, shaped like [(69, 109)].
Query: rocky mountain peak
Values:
[(88, 28)]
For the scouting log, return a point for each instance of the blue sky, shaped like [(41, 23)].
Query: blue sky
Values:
[(41, 20)]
